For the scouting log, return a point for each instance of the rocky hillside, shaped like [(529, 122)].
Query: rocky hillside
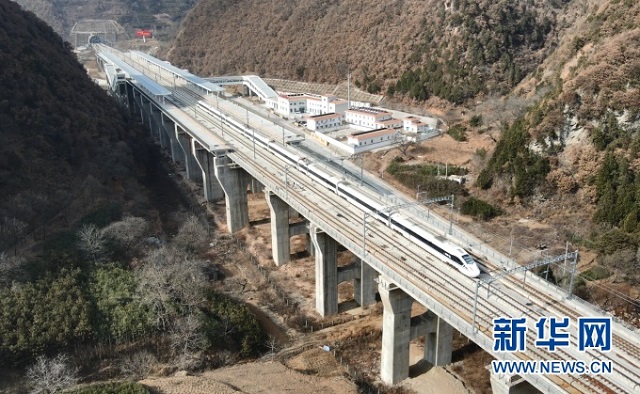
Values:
[(160, 15), (454, 49)]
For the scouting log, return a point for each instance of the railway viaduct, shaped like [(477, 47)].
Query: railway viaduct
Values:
[(215, 154)]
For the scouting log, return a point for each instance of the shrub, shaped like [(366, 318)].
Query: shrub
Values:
[(479, 209), (614, 241), (596, 272), (475, 121), (119, 313), (458, 132), (231, 320)]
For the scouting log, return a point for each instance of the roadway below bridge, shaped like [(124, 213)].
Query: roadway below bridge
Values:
[(406, 272)]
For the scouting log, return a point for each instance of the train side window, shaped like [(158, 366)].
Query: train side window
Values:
[(468, 259)]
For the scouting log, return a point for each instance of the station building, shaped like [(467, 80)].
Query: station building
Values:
[(371, 118), (293, 104), (319, 105), (413, 124), (290, 104), (372, 139), (325, 122)]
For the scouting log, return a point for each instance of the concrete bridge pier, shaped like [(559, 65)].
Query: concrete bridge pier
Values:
[(165, 141), (155, 123), (256, 186), (169, 128), (280, 233), (212, 190), (139, 107), (299, 228), (130, 99), (438, 337), (364, 285), (309, 245), (233, 180), (326, 272), (396, 331), (145, 118), (363, 277), (438, 343), (191, 167)]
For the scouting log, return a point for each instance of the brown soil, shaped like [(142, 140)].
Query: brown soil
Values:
[(258, 377), (355, 345), (441, 149)]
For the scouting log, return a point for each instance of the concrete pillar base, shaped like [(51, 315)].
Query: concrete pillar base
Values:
[(438, 343), (190, 165), (256, 186), (211, 187), (326, 272), (169, 129), (309, 244), (396, 330), (233, 180), (364, 287), (280, 241)]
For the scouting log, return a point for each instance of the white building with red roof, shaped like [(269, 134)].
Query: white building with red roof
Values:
[(371, 118), (292, 104), (413, 124), (367, 140), (325, 122)]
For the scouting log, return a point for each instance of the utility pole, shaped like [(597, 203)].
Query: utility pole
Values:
[(253, 132), (348, 87), (364, 232)]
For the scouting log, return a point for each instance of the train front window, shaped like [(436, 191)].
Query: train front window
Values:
[(468, 259)]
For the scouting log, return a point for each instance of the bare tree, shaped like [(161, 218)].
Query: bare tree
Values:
[(192, 235), (404, 143), (128, 232), (92, 241), (187, 335), (138, 365), (189, 361), (51, 375), (187, 341), (171, 283), (154, 288), (272, 345)]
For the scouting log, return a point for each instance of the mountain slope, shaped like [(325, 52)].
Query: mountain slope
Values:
[(61, 15), (457, 49), (63, 137)]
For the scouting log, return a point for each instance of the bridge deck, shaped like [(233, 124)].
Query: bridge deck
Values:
[(178, 72), (441, 289)]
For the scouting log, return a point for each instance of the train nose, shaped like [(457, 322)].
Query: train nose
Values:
[(473, 270)]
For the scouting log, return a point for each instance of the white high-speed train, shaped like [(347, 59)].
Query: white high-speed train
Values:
[(436, 245)]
